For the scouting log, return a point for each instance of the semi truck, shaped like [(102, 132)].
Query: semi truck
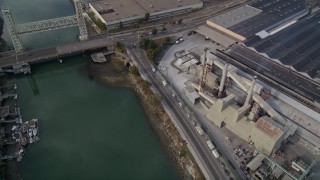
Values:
[(215, 153), (211, 146)]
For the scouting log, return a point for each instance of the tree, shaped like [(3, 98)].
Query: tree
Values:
[(134, 70), (120, 25), (154, 31), (152, 45), (147, 16), (120, 47), (144, 43), (168, 39)]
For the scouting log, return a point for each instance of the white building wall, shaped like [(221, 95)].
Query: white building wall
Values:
[(126, 20), (96, 13), (161, 13)]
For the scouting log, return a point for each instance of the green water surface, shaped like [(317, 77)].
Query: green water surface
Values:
[(87, 130)]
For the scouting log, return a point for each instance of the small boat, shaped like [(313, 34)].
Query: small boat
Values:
[(30, 132), (36, 139), (19, 158), (34, 131)]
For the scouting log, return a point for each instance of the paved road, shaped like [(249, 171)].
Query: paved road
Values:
[(197, 142)]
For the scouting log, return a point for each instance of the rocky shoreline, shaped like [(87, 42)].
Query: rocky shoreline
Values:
[(114, 74)]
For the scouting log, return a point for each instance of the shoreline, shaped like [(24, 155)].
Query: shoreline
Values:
[(114, 74)]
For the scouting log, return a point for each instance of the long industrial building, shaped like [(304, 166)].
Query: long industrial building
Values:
[(112, 12)]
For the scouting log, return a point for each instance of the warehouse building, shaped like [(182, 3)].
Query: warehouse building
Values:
[(112, 12), (296, 46), (256, 18), (267, 135)]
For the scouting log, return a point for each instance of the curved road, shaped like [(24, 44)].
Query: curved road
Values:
[(198, 144)]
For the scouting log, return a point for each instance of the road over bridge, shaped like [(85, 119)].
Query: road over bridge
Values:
[(56, 52)]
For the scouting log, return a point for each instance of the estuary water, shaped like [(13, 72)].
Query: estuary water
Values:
[(87, 130)]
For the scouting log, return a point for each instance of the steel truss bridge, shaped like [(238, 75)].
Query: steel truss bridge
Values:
[(45, 25)]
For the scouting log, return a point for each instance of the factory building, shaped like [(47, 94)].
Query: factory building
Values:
[(267, 135), (245, 98), (112, 12), (239, 114), (239, 110)]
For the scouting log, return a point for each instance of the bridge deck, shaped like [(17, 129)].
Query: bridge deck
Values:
[(54, 52)]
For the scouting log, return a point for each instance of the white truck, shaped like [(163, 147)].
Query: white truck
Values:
[(211, 146), (200, 130), (215, 153)]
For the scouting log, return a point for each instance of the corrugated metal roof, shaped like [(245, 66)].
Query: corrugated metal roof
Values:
[(269, 127), (273, 13), (297, 45), (256, 162)]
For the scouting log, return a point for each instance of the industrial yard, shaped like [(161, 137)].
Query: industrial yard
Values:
[(270, 133)]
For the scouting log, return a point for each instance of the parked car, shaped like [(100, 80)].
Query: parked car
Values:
[(193, 122), (164, 83), (221, 164)]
